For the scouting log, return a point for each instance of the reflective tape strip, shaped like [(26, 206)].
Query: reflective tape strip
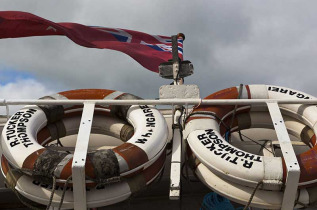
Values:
[(61, 97), (113, 95), (59, 168), (123, 165), (245, 92), (58, 97)]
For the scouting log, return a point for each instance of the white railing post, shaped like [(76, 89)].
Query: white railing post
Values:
[(293, 169), (176, 160), (79, 159)]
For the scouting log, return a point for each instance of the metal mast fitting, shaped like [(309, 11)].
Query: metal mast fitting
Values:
[(175, 68)]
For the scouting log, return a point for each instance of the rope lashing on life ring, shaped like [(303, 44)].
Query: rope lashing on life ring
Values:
[(100, 195)]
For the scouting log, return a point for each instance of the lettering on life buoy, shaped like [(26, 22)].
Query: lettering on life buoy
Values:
[(289, 92), (232, 155), (150, 123), (16, 129)]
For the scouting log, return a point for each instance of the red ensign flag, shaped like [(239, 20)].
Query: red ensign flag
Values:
[(148, 50)]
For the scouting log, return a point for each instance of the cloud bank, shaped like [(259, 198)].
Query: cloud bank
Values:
[(229, 42)]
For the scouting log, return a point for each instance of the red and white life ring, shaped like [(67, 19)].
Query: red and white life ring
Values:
[(235, 167), (23, 135)]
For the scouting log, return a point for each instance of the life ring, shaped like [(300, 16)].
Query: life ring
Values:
[(103, 123), (22, 150), (232, 165), (266, 199)]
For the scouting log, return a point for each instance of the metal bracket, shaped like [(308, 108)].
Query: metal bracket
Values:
[(166, 69), (79, 159), (293, 169)]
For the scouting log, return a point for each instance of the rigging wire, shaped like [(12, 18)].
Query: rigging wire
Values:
[(228, 133), (255, 141), (252, 195), (207, 113), (181, 123)]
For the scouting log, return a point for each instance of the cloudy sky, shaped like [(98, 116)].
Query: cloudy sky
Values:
[(229, 42)]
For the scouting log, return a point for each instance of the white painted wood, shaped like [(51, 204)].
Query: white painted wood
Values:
[(79, 159), (175, 166), (176, 161), (293, 169)]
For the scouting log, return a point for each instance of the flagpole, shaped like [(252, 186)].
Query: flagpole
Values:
[(176, 59)]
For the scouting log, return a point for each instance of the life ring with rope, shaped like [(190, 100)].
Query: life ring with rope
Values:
[(213, 156), (27, 129)]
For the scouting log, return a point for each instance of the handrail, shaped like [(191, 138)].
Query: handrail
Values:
[(4, 102)]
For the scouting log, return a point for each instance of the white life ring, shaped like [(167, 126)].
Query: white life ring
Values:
[(21, 148), (240, 168)]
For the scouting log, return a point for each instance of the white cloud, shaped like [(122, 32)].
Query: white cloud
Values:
[(22, 89)]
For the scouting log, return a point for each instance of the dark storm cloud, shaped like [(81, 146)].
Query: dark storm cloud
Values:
[(229, 43)]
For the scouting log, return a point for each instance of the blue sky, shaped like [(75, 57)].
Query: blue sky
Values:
[(20, 85), (9, 75)]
